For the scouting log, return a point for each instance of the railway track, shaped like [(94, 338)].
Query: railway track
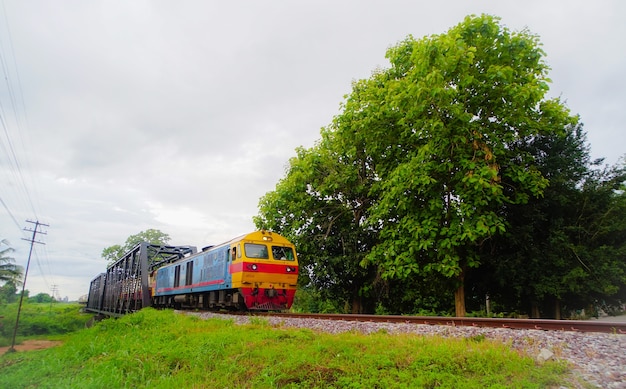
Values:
[(533, 324)]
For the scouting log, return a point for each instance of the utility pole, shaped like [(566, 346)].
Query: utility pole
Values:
[(55, 291), (32, 241), (53, 299)]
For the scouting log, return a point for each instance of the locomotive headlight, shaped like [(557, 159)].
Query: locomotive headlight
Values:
[(253, 267)]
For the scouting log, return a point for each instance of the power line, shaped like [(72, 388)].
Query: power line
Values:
[(9, 212), (16, 165)]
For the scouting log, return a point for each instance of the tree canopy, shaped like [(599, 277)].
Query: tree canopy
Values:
[(422, 174), (470, 100), (152, 236)]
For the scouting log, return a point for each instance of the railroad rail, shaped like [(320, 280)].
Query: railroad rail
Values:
[(528, 324)]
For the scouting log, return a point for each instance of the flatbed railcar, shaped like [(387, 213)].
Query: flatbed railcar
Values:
[(255, 271)]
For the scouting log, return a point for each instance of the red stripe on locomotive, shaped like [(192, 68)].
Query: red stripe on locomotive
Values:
[(260, 267)]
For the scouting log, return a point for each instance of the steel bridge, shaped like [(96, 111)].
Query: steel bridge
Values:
[(124, 287)]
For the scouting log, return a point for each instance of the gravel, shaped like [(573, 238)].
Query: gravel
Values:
[(597, 359)]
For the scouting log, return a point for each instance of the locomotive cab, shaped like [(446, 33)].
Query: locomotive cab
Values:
[(265, 270)]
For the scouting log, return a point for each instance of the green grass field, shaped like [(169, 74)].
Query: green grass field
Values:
[(40, 320), (162, 349)]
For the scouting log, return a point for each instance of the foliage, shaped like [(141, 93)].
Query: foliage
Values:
[(418, 294), (309, 299), (38, 319), (8, 293), (163, 349), (471, 99), (321, 206), (41, 298), (152, 236), (567, 246), (597, 249), (9, 271), (416, 173)]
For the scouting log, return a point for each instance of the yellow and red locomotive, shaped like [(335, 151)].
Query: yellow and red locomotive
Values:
[(257, 271)]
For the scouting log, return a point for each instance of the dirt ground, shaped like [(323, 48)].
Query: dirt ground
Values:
[(28, 345)]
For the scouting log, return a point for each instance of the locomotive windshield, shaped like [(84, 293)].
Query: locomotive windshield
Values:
[(254, 250), (284, 253)]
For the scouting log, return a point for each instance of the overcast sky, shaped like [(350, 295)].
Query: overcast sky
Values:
[(120, 116)]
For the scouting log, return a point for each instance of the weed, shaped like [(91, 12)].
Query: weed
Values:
[(477, 338), (259, 321)]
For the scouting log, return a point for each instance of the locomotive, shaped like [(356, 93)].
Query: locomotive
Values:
[(255, 271)]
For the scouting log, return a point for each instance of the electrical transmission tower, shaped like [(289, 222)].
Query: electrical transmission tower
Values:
[(32, 241), (55, 292)]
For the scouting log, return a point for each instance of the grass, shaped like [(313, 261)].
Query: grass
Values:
[(162, 349), (40, 320)]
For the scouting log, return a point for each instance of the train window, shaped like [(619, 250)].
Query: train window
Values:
[(189, 275), (283, 253), (239, 250), (177, 276), (254, 250)]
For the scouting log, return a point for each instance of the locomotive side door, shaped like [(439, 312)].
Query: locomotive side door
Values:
[(226, 259)]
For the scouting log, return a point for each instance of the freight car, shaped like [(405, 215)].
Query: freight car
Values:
[(256, 271)]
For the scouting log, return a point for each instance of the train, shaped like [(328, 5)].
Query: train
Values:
[(255, 271)]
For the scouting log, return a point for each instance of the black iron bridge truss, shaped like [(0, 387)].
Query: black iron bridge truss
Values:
[(124, 288)]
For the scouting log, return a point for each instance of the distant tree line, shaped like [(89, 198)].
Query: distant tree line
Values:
[(450, 180), (11, 276), (9, 293)]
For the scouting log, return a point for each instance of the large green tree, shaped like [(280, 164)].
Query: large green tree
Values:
[(471, 99), (152, 236), (425, 158)]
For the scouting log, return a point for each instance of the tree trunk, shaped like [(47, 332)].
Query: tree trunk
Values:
[(557, 309), (459, 297), (356, 302), (534, 310)]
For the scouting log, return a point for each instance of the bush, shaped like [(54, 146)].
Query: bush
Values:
[(40, 319)]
